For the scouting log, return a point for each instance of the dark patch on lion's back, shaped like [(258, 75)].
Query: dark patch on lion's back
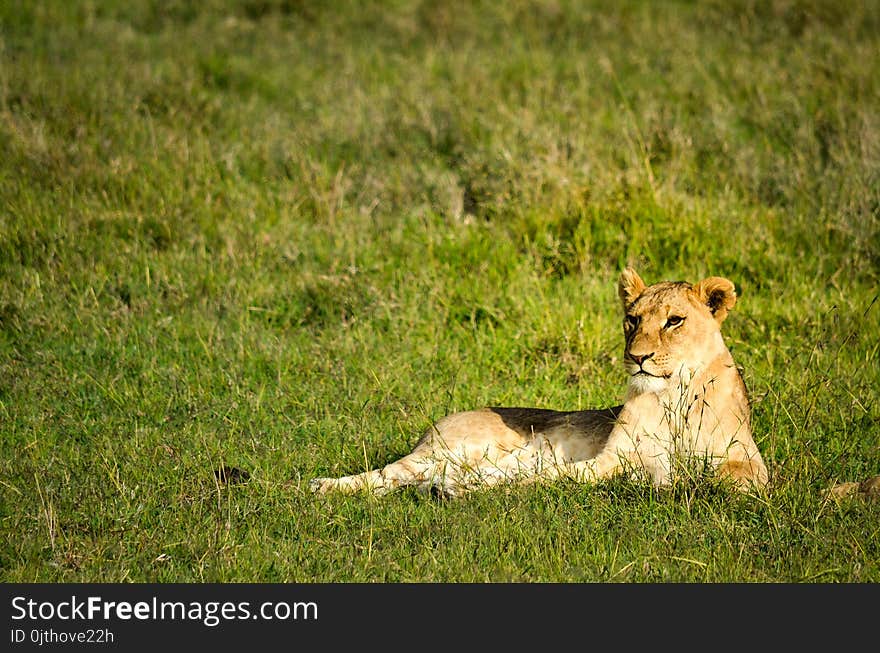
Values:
[(529, 421)]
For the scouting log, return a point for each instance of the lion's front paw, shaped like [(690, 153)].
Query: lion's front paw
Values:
[(322, 485), (867, 489), (842, 490)]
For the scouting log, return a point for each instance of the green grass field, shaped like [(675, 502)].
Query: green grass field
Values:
[(285, 236)]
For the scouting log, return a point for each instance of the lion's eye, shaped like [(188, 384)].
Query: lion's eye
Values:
[(631, 321), (673, 320)]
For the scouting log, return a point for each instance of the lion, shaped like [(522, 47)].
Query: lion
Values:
[(686, 401)]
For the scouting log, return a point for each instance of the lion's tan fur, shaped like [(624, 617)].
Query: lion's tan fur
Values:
[(686, 402)]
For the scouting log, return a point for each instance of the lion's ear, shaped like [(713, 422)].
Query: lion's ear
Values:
[(718, 294), (629, 287)]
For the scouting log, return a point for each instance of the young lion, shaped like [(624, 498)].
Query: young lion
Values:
[(685, 400)]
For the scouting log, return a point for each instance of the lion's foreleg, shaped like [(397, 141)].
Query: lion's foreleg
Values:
[(409, 470)]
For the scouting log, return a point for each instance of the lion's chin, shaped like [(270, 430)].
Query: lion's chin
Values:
[(641, 383)]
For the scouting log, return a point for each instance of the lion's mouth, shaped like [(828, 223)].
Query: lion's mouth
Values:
[(642, 372)]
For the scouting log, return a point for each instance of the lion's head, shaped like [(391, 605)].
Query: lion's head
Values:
[(672, 329)]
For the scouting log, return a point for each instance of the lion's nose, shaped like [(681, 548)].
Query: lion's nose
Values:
[(638, 360)]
